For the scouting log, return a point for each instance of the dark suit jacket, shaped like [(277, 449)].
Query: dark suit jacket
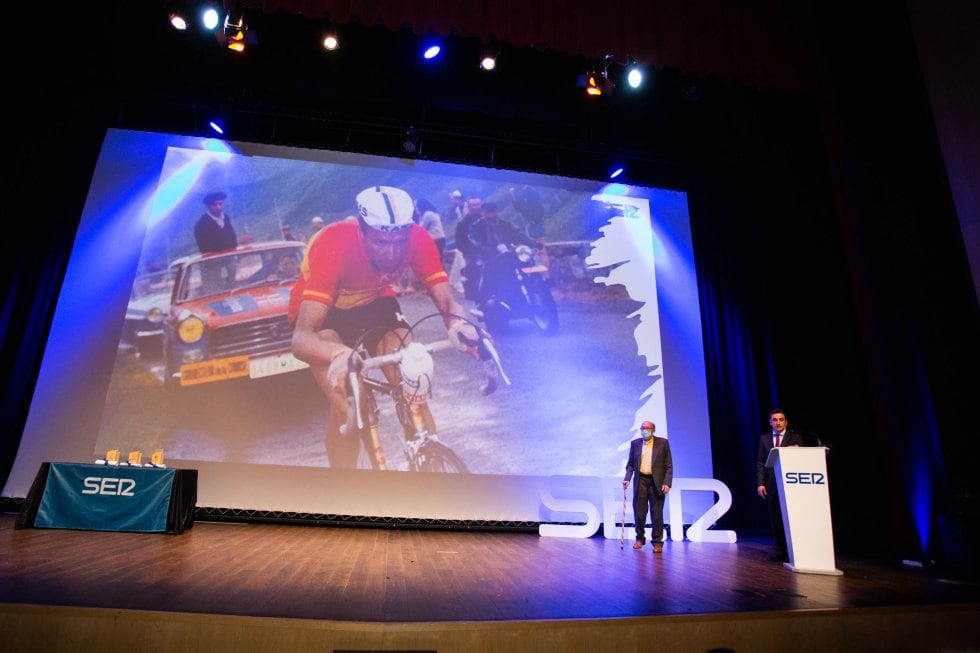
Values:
[(663, 465), (764, 475), (212, 238), (464, 241)]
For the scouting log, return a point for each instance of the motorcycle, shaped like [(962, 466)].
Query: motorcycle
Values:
[(514, 286)]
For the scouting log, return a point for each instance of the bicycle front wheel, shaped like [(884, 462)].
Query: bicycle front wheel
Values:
[(437, 457)]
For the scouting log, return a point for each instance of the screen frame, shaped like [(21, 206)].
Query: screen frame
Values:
[(70, 393)]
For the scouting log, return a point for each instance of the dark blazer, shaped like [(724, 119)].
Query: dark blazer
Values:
[(663, 465), (212, 238), (764, 475)]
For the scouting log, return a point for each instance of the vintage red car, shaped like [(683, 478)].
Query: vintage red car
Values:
[(227, 316)]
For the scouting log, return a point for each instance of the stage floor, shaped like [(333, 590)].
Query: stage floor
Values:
[(399, 575)]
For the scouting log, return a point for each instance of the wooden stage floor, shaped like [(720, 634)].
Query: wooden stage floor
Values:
[(399, 576)]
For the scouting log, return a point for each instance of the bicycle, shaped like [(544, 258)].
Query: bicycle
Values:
[(410, 393)]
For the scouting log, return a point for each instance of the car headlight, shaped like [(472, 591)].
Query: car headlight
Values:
[(190, 330), (154, 315)]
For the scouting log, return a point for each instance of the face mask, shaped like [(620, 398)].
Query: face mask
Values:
[(647, 434)]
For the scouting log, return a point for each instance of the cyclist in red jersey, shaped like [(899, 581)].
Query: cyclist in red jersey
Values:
[(344, 290)]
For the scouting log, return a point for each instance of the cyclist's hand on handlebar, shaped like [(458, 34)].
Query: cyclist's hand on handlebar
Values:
[(464, 336), (339, 368), (467, 337)]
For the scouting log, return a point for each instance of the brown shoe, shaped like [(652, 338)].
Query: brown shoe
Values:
[(638, 545), (658, 548)]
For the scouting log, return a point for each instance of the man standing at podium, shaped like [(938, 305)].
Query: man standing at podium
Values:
[(779, 436)]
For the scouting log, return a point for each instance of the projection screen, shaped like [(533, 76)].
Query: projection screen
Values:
[(628, 346)]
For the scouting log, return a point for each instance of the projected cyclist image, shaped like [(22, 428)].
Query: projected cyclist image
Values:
[(369, 357), (344, 305)]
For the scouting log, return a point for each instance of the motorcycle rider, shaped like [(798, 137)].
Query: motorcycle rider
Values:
[(482, 238), (345, 289), (472, 212)]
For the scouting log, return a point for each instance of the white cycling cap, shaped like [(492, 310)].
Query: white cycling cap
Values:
[(385, 208)]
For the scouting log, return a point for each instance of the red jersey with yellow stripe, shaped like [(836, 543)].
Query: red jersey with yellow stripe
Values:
[(336, 270)]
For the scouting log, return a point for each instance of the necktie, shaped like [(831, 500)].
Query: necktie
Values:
[(775, 440)]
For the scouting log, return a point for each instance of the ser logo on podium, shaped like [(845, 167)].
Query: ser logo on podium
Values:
[(122, 487), (805, 478)]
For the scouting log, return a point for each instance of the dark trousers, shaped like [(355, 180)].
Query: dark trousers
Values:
[(776, 519), (472, 278), (648, 497)]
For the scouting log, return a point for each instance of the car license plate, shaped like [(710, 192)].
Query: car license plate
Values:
[(217, 369), (278, 364)]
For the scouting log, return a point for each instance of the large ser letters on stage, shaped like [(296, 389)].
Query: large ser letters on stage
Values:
[(617, 508)]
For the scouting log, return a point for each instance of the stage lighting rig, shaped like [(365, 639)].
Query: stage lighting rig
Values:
[(412, 141), (236, 28), (596, 80)]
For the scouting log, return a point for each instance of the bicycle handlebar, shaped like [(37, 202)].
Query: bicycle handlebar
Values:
[(487, 353), (491, 365), (375, 362)]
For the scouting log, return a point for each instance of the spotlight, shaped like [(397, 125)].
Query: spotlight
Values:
[(330, 39), (616, 171), (236, 27), (488, 58), (178, 21), (634, 74), (431, 51), (596, 81), (412, 143), (209, 17), (217, 125), (236, 44)]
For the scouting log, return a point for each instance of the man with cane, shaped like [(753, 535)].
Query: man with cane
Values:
[(650, 464)]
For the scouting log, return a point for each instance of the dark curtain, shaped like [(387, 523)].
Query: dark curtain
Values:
[(779, 314), (58, 130), (917, 308)]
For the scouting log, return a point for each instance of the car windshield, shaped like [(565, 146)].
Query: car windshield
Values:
[(233, 272), (152, 283)]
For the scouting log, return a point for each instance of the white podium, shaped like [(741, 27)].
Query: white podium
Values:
[(801, 474)]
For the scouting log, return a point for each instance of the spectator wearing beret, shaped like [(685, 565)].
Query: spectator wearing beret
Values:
[(213, 230)]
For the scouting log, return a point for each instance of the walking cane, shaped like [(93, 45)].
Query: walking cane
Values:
[(622, 523)]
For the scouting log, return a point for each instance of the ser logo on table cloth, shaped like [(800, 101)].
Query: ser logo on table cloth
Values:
[(122, 487)]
